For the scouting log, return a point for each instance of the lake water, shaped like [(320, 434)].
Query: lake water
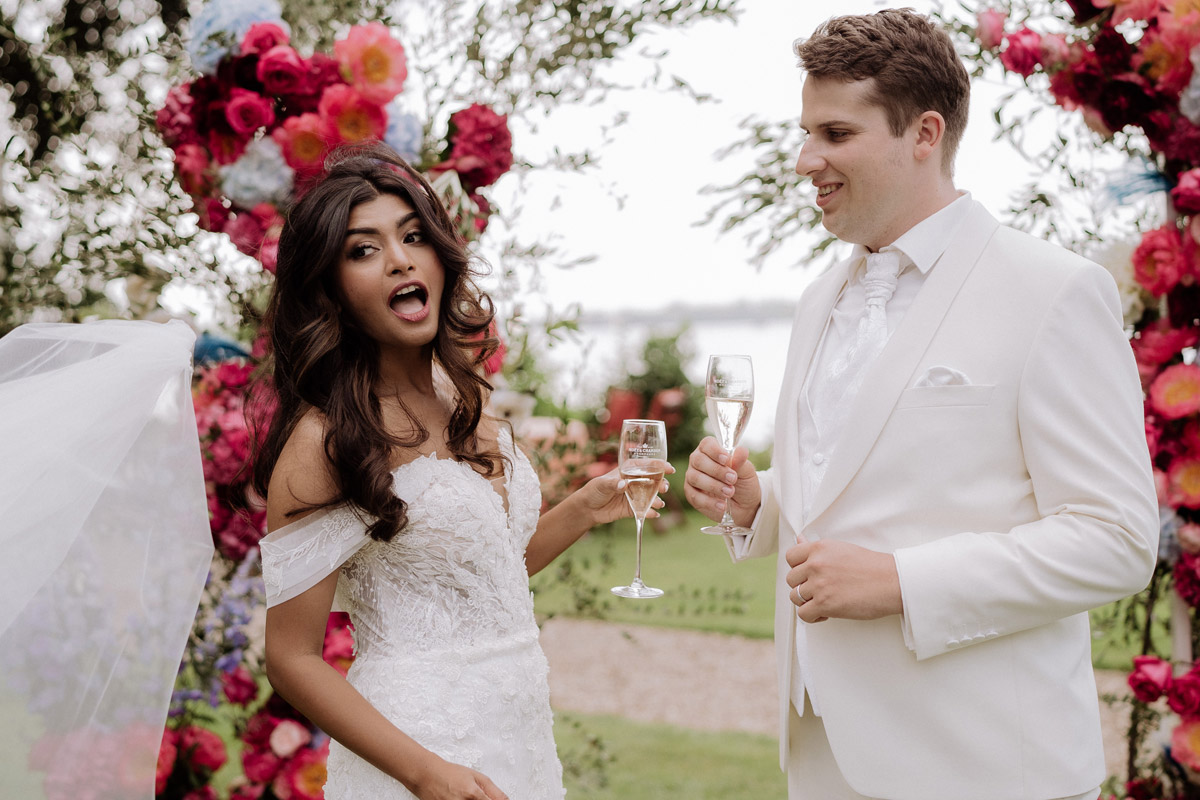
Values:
[(609, 347)]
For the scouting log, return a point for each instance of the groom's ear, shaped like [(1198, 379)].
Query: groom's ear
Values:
[(928, 132)]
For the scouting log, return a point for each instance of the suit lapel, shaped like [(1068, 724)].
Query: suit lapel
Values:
[(888, 377), (812, 314)]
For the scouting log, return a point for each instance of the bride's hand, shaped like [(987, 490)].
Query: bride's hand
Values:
[(604, 497), (456, 782)]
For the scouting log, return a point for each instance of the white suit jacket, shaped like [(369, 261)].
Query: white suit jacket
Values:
[(1012, 504)]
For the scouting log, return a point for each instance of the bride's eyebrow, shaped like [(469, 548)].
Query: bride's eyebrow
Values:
[(407, 218)]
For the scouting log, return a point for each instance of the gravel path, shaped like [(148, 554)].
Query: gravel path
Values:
[(703, 681)]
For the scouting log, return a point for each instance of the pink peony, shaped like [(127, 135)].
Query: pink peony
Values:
[(1159, 343), (239, 686), (1189, 537), (303, 142), (202, 748), (248, 111), (1023, 53), (268, 252), (282, 71), (193, 169), (240, 534), (347, 116), (1183, 694), (176, 119), (1175, 393), (338, 650), (1055, 52), (234, 374), (990, 28), (1186, 194), (372, 61), (303, 778), (261, 37), (1128, 9), (1183, 483), (1185, 743), (480, 146), (288, 737), (1159, 262), (1150, 678)]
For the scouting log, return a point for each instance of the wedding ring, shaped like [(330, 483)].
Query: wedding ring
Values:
[(801, 597)]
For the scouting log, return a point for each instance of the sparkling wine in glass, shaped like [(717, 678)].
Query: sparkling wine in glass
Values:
[(729, 395), (642, 460)]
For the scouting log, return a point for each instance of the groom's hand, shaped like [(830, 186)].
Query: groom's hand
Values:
[(715, 478), (838, 579)]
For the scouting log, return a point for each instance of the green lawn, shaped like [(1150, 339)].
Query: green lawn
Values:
[(660, 762), (706, 591)]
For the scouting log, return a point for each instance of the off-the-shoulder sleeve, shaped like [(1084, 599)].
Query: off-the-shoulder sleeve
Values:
[(297, 557)]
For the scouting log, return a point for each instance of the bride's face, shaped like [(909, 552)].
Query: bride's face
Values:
[(389, 276)]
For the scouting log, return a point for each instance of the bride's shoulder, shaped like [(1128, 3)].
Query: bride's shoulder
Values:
[(303, 478)]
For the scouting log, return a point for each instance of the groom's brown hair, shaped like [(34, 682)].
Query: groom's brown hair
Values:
[(913, 61)]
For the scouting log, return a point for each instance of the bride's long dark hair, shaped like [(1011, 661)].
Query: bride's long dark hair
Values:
[(322, 359)]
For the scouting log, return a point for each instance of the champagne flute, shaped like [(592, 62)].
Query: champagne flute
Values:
[(642, 460), (729, 395)]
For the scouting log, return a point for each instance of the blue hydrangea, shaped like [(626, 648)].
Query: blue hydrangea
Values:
[(405, 133), (261, 175), (220, 26)]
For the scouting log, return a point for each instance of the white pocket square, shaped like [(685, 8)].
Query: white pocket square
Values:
[(942, 376)]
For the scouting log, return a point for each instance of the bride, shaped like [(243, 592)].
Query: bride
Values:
[(388, 487)]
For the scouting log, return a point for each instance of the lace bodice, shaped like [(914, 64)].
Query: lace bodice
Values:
[(445, 637)]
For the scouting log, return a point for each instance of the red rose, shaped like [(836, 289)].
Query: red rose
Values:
[(261, 766), (246, 232), (202, 748), (1187, 582), (226, 147), (282, 71), (1186, 194), (1023, 53), (261, 37), (1159, 343), (480, 146), (248, 111), (212, 212), (239, 686), (1158, 261), (1183, 694), (1150, 678), (990, 28)]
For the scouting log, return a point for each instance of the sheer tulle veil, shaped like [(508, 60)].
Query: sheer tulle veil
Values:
[(104, 550)]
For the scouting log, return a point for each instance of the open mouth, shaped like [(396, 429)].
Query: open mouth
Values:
[(410, 301)]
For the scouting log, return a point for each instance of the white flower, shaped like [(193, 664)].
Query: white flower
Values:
[(1117, 258), (260, 176), (1189, 100)]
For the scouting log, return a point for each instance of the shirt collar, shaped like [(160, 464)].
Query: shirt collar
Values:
[(924, 243)]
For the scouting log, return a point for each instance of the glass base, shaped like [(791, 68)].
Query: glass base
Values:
[(724, 530), (637, 590)]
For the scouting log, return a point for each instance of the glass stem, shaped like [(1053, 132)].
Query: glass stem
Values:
[(727, 519), (637, 573)]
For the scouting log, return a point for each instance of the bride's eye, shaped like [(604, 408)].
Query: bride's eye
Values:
[(359, 251)]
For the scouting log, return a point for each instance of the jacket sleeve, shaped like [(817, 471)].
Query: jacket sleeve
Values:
[(1081, 429), (764, 535)]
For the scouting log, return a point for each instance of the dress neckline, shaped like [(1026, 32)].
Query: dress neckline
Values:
[(505, 473)]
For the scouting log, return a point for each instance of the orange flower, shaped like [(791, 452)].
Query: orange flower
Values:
[(372, 61), (347, 116), (1175, 393), (303, 143), (1183, 482)]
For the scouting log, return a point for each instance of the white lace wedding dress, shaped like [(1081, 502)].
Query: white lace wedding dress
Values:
[(445, 638)]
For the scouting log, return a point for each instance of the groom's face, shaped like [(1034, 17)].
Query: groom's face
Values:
[(863, 174)]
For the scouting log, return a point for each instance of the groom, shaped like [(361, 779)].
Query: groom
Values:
[(960, 469)]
